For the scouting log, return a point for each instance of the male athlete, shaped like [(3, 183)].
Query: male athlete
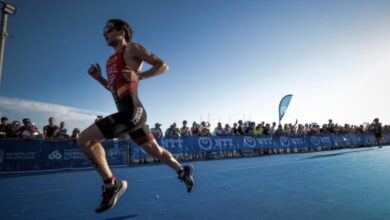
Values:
[(377, 127), (123, 74)]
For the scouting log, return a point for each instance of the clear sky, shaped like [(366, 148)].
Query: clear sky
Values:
[(229, 60)]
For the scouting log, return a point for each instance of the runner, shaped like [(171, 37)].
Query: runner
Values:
[(378, 132), (123, 74)]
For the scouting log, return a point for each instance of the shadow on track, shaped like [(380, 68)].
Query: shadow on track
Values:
[(122, 217), (337, 154)]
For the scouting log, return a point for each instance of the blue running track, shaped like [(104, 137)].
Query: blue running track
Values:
[(344, 184)]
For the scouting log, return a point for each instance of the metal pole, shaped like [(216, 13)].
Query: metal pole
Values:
[(2, 40)]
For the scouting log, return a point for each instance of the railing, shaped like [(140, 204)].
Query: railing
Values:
[(37, 155)]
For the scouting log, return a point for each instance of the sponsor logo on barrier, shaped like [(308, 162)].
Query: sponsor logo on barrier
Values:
[(114, 152), (224, 142), (55, 155), (265, 142), (315, 140), (249, 142), (172, 143), (205, 143), (284, 141), (297, 141)]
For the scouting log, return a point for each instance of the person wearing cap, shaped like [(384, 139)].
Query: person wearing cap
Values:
[(5, 128), (156, 131)]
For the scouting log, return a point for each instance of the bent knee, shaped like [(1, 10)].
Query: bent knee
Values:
[(153, 149)]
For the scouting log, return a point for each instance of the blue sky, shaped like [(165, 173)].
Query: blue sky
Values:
[(229, 60)]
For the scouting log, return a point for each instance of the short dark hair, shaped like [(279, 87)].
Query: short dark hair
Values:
[(4, 118), (120, 24)]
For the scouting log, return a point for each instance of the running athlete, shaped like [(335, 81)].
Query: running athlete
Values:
[(377, 127), (123, 74)]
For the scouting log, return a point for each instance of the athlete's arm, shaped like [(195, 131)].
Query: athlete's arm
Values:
[(158, 65), (96, 72)]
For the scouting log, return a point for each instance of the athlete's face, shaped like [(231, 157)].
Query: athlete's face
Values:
[(112, 34)]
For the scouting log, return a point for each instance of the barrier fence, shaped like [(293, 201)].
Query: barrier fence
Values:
[(30, 155), (36, 155)]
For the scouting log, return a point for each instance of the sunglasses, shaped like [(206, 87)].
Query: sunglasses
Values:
[(108, 29)]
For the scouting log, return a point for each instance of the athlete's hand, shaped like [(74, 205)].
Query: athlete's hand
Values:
[(95, 71), (131, 75)]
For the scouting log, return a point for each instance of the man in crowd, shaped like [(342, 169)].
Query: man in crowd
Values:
[(5, 128), (172, 131), (62, 131), (50, 131), (185, 131), (218, 131)]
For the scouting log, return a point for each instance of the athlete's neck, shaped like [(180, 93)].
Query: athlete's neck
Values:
[(120, 45)]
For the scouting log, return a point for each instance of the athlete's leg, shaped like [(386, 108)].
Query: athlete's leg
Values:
[(155, 150), (89, 142), (184, 172)]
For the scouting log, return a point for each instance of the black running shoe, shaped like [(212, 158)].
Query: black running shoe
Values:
[(111, 195), (187, 177)]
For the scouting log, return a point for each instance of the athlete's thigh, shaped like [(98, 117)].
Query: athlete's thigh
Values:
[(90, 136), (114, 125), (141, 135)]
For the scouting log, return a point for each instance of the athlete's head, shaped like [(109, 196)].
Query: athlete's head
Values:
[(116, 30)]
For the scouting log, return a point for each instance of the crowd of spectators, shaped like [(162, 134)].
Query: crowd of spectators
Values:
[(29, 130), (250, 128)]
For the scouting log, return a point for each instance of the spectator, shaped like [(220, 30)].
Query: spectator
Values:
[(227, 130), (267, 129), (25, 121), (331, 126), (218, 131), (172, 131), (5, 128), (286, 130), (62, 131), (31, 132), (258, 131), (359, 130), (185, 131), (50, 131), (249, 127), (377, 129), (15, 129), (279, 131), (324, 129), (240, 128), (156, 131), (195, 129), (235, 129), (205, 129), (300, 130), (273, 128), (75, 133)]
